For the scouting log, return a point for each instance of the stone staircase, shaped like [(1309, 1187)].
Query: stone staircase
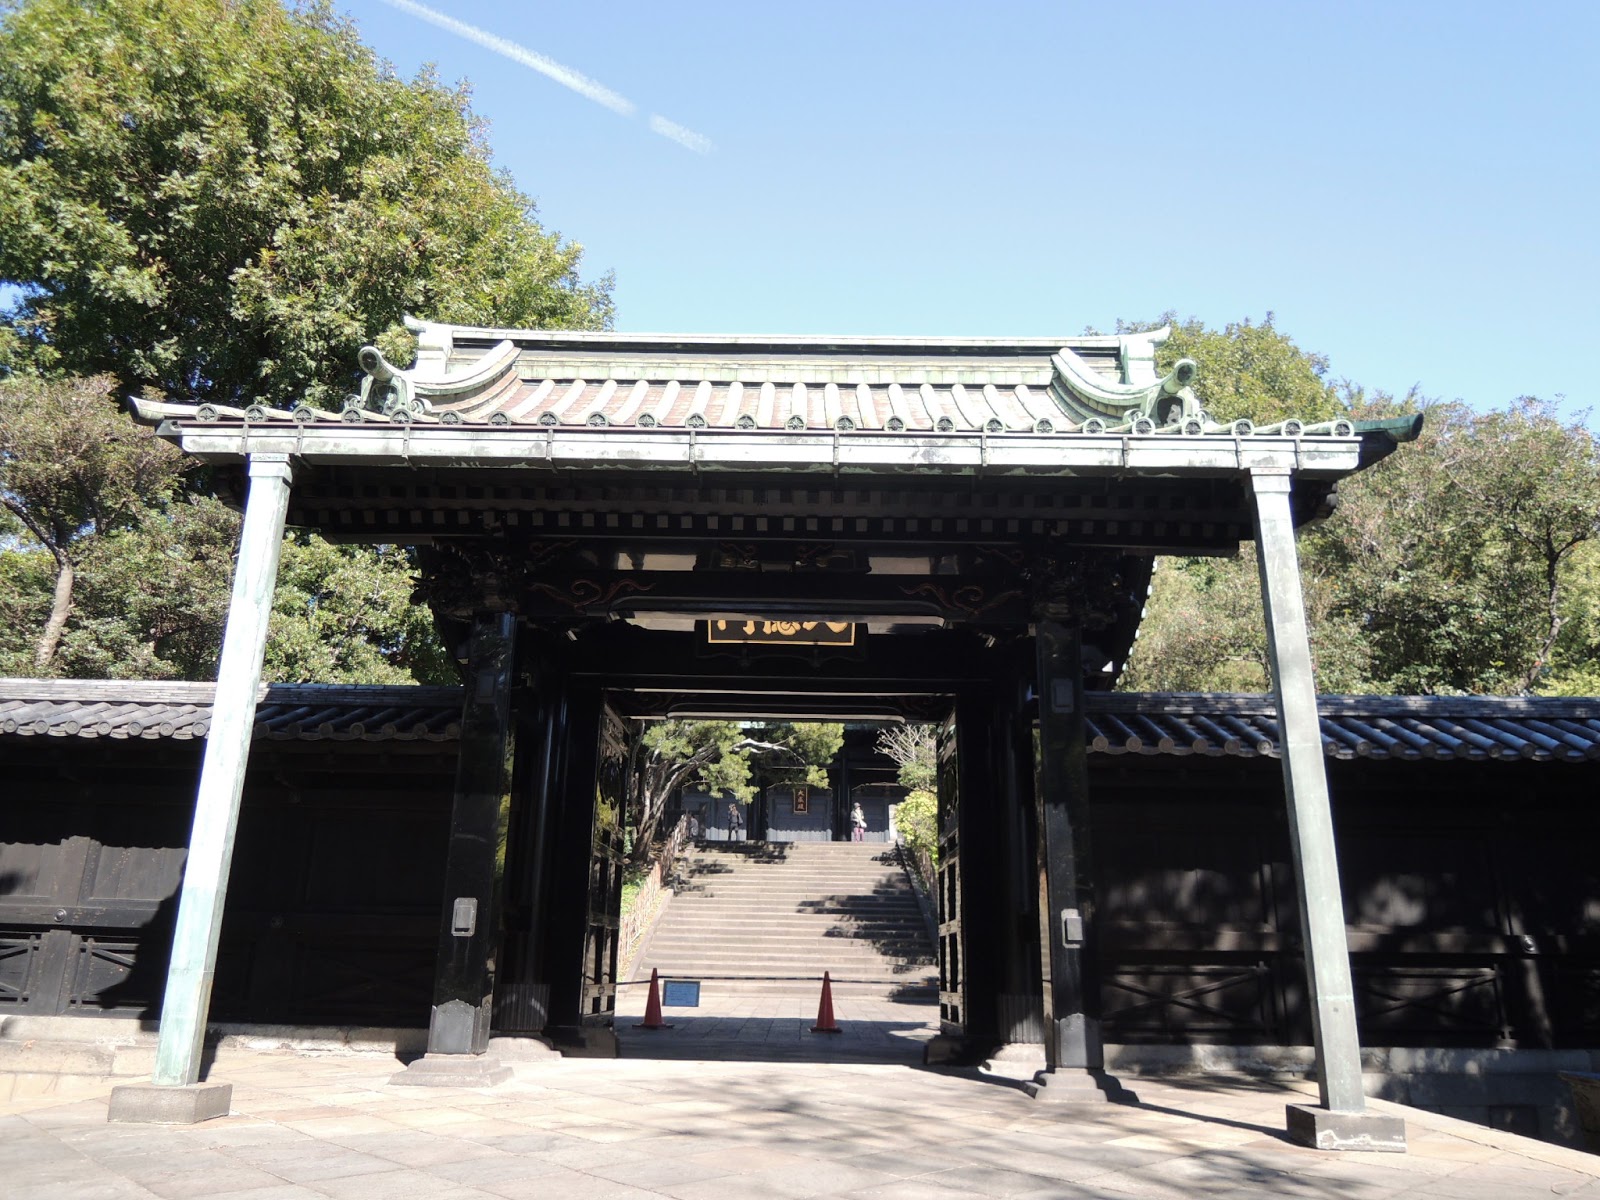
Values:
[(766, 919)]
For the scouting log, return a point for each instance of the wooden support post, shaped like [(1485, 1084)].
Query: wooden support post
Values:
[(1341, 1122), (1074, 1056), (469, 933), (187, 998)]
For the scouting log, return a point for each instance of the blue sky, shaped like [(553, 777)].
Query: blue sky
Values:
[(1410, 188)]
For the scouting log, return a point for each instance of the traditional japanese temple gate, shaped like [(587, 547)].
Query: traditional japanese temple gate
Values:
[(980, 514)]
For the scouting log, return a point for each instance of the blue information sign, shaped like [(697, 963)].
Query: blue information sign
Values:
[(680, 993)]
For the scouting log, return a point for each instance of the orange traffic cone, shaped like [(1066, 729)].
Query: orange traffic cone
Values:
[(652, 1007), (825, 1022)]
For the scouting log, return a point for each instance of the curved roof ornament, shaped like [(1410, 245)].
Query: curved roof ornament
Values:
[(1084, 392), (389, 388)]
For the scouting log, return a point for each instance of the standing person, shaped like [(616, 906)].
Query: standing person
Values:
[(735, 823), (858, 823)]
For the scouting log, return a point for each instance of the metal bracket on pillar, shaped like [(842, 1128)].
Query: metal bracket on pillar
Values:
[(1341, 1121)]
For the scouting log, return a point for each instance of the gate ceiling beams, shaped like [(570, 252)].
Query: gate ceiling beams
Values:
[(565, 584), (937, 661), (1194, 515)]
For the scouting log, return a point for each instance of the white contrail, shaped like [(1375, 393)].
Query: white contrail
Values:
[(551, 69), (548, 67), (698, 142)]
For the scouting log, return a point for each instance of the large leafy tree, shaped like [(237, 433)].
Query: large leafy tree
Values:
[(223, 199), (71, 469), (1464, 559), (725, 758), (1464, 563)]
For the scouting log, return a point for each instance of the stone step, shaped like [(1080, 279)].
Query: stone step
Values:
[(677, 939), (734, 913), (757, 920), (869, 940), (779, 964)]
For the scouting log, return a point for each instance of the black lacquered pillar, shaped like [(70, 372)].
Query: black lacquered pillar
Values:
[(458, 1027), (1074, 1056)]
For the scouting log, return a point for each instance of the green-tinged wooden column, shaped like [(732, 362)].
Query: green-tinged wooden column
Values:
[(1341, 1122), (1074, 1056), (469, 933), (201, 900)]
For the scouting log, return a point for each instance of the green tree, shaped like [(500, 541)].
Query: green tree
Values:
[(153, 596), (1463, 557), (1205, 631), (223, 199), (726, 758), (72, 469), (1249, 370), (345, 613), (917, 819), (914, 750)]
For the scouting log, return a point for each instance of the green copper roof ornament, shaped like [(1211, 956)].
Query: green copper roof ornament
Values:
[(1165, 400)]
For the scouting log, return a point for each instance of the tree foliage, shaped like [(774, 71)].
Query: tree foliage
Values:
[(344, 613), (1248, 369), (1463, 563), (727, 758), (73, 469), (917, 819), (223, 199), (1462, 558), (914, 750)]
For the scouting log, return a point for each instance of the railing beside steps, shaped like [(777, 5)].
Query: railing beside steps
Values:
[(648, 900)]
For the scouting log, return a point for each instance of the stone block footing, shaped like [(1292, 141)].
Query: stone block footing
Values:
[(1326, 1129), (1077, 1085), (954, 1050), (453, 1070), (525, 1048), (169, 1104)]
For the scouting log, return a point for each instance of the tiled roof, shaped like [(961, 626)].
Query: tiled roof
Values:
[(1472, 728), (464, 376), (182, 711), (1410, 728)]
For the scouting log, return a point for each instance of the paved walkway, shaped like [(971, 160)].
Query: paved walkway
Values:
[(305, 1128), (729, 1025)]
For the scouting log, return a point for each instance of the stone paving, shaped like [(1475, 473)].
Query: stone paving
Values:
[(310, 1127)]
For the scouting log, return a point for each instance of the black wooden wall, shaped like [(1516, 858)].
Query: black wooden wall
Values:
[(333, 906), (1472, 899), (1472, 891)]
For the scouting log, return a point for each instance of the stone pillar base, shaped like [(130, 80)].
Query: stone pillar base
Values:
[(956, 1050), (1325, 1129), (166, 1104), (453, 1070), (1077, 1085)]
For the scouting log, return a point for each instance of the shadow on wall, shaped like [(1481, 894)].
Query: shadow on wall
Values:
[(143, 985)]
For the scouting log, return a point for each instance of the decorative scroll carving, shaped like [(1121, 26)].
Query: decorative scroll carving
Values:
[(822, 556), (970, 600), (1077, 586), (738, 556), (580, 595), (458, 581)]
